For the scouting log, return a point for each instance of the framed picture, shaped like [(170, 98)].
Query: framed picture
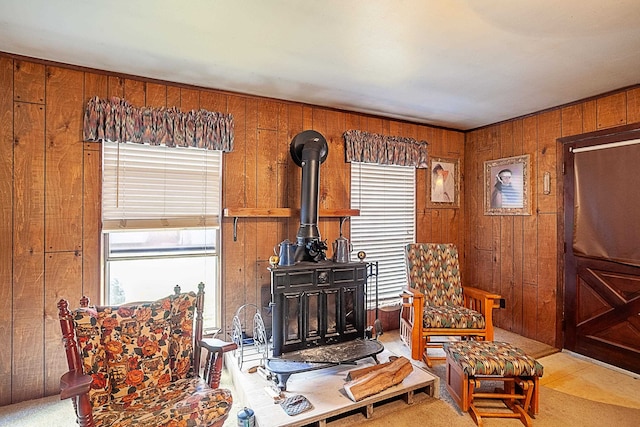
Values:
[(444, 183), (507, 186)]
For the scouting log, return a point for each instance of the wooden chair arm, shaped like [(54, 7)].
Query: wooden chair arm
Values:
[(411, 298), (411, 326), (411, 293), (488, 300), (74, 383), (483, 302), (217, 345), (213, 364), (412, 302)]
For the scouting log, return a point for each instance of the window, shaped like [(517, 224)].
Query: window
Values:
[(385, 195), (161, 216)]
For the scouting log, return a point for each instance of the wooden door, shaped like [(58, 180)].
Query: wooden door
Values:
[(601, 296)]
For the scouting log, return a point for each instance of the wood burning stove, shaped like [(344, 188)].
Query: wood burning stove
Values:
[(317, 304), (315, 301)]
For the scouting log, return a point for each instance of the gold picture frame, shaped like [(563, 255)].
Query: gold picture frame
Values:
[(443, 183), (507, 187)]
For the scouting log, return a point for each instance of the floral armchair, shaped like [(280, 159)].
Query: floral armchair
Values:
[(436, 304), (138, 364)]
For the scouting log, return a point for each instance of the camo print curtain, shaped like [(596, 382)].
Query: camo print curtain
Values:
[(116, 120), (386, 150)]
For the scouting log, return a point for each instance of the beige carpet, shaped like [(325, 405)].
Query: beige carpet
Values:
[(49, 411), (556, 410)]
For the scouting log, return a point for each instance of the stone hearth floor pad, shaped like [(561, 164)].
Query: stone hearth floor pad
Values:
[(323, 388)]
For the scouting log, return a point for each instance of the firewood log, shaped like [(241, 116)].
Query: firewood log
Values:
[(379, 379), (357, 373)]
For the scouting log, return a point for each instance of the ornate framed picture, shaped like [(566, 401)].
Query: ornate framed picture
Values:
[(507, 188), (444, 183)]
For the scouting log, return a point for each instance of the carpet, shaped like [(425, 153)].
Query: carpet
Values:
[(48, 411), (557, 409)]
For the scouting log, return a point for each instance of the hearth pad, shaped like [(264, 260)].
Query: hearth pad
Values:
[(322, 357)]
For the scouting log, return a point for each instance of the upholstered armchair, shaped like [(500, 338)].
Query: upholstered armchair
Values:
[(138, 364), (436, 304)]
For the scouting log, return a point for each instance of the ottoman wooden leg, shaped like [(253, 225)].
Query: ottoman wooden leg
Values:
[(532, 406), (519, 401), (520, 404), (457, 385), (535, 399)]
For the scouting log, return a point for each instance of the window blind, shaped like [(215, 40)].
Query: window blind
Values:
[(158, 187), (385, 195)]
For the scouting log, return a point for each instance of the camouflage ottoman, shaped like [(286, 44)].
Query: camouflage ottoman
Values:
[(470, 362)]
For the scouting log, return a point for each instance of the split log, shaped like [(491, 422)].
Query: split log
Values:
[(379, 379), (357, 373)]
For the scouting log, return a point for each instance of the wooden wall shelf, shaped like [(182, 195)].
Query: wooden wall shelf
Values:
[(236, 213), (285, 212)]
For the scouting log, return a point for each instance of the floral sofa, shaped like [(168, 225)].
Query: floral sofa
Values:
[(143, 364)]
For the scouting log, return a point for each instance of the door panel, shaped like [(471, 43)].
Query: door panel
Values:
[(601, 296), (607, 303)]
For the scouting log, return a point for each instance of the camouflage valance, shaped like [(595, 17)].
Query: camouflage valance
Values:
[(116, 120), (386, 150)]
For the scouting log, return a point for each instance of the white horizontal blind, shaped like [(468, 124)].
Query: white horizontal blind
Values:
[(156, 187), (385, 195)]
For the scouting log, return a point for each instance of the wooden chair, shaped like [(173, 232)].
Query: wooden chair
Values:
[(139, 364), (436, 304)]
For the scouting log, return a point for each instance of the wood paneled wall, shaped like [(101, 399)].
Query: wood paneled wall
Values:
[(520, 257), (41, 194), (50, 198)]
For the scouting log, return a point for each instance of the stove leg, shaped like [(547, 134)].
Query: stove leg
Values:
[(282, 381)]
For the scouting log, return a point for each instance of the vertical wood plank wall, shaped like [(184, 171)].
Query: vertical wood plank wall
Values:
[(50, 198), (520, 257)]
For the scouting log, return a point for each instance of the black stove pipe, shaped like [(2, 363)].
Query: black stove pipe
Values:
[(309, 149)]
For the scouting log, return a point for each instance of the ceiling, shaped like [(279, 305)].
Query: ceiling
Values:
[(460, 64)]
